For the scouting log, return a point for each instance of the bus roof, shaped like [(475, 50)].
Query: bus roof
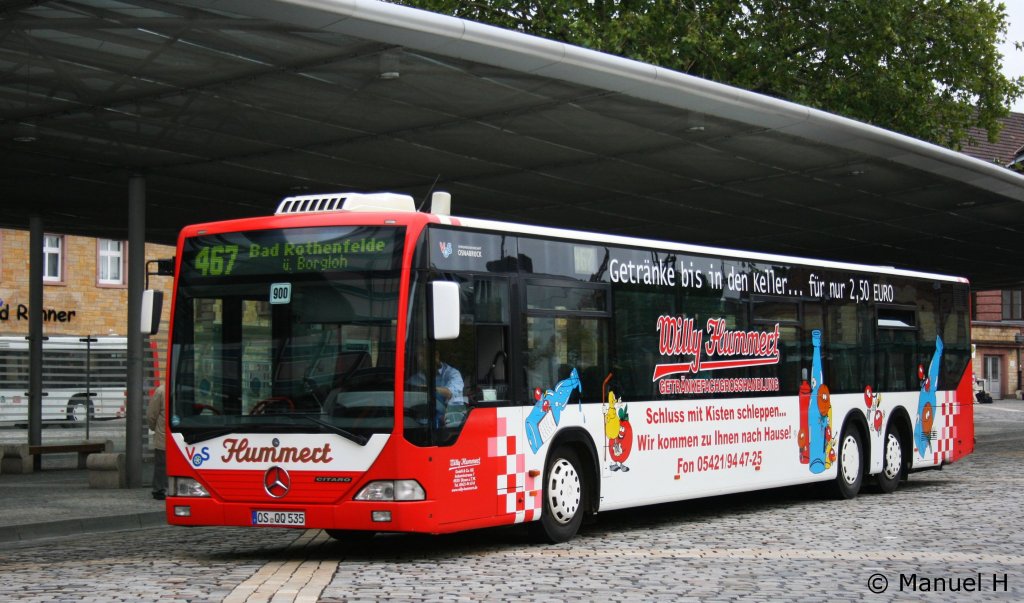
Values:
[(561, 233)]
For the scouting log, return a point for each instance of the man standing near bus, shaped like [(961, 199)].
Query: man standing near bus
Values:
[(155, 421)]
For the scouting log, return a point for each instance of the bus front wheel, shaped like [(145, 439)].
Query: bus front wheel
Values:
[(77, 411), (564, 497), (851, 464)]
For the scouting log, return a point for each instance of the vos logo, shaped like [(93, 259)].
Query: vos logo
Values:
[(446, 249), (197, 457)]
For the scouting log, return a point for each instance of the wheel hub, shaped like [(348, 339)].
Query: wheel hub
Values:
[(851, 459), (893, 457), (564, 491)]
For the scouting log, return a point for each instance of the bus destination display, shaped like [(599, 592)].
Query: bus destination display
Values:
[(295, 251)]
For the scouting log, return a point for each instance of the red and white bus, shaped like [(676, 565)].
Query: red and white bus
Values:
[(356, 365)]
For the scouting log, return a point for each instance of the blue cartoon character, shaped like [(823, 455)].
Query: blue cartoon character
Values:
[(547, 412), (926, 401), (820, 447)]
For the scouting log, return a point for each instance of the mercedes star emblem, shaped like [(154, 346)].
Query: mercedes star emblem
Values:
[(277, 482)]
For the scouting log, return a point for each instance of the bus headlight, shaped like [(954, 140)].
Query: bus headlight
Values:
[(186, 486), (399, 489)]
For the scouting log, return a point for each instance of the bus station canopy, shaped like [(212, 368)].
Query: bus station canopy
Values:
[(227, 106)]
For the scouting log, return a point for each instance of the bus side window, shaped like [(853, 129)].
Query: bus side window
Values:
[(480, 352), (492, 364), (898, 344), (567, 327)]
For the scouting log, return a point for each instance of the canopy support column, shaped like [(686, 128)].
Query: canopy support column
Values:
[(134, 405), (35, 336)]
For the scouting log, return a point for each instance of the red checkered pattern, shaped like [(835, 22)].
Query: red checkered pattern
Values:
[(943, 444), (517, 492)]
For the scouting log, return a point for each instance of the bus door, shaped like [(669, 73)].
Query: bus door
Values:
[(566, 358), (458, 391)]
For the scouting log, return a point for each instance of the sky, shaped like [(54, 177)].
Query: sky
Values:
[(1013, 60)]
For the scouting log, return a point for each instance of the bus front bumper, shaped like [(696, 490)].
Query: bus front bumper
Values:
[(417, 516)]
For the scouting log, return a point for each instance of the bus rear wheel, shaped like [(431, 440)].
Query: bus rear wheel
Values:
[(851, 464), (564, 497), (892, 461)]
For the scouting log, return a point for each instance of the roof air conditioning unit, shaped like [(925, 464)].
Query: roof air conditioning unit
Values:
[(307, 204)]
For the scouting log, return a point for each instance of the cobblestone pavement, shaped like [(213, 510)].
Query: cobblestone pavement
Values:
[(941, 536)]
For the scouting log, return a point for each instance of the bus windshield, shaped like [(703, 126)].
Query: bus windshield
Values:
[(286, 331)]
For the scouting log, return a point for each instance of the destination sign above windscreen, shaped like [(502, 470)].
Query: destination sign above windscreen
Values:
[(294, 251)]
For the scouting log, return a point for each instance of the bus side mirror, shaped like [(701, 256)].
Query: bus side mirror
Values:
[(152, 308), (445, 303)]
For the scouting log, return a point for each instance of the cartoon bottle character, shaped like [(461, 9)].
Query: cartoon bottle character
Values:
[(801, 438), (819, 414), (547, 411), (619, 432), (926, 401)]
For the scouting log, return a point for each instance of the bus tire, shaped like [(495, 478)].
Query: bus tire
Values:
[(77, 411), (892, 461), (850, 472), (564, 497)]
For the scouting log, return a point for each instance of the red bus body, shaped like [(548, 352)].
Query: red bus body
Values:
[(684, 403)]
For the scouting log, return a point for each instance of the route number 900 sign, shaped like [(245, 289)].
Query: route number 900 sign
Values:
[(281, 293)]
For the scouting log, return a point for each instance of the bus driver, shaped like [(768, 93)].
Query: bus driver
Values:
[(448, 388)]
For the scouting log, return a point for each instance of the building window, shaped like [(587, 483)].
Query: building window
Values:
[(1012, 305), (110, 261), (53, 258)]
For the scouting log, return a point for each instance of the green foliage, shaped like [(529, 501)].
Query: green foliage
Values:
[(927, 68)]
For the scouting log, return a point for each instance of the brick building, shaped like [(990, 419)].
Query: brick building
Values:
[(997, 333), (997, 326), (85, 284)]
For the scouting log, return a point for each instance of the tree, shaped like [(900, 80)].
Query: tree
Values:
[(926, 68)]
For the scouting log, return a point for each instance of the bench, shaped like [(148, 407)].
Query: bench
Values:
[(83, 448), (19, 458), (14, 458)]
